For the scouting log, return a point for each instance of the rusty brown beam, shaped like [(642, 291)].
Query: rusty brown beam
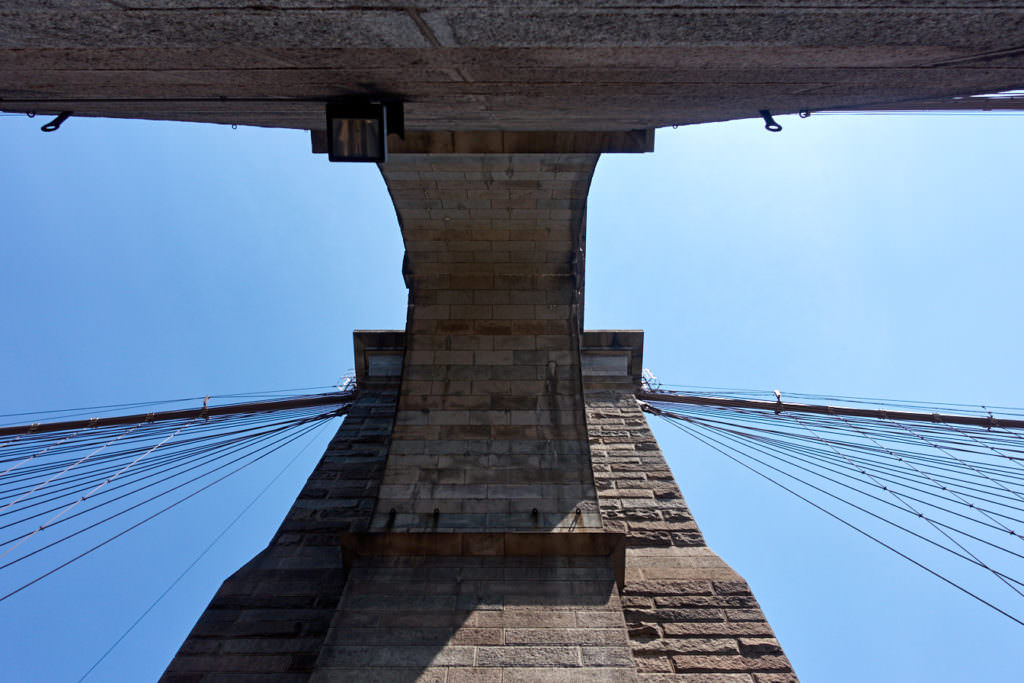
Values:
[(779, 406), (184, 414)]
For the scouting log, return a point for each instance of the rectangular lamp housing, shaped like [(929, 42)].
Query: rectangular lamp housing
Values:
[(357, 131)]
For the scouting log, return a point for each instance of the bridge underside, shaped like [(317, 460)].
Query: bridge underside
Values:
[(480, 65)]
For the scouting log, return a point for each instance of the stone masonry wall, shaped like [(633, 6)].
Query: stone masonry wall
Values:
[(269, 619), (490, 424), (690, 616), (504, 509), (478, 619)]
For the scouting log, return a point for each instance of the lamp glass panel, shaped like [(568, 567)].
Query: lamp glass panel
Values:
[(357, 138)]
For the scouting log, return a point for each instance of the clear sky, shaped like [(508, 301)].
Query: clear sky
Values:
[(847, 255)]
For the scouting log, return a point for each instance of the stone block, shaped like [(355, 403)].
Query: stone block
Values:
[(728, 663), (528, 656)]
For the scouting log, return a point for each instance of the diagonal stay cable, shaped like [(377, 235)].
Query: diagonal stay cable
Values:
[(199, 445), (865, 427), (195, 456), (947, 483), (138, 524), (71, 466), (40, 453), (781, 454), (856, 506), (99, 486), (917, 512), (285, 439), (738, 430), (201, 555), (1007, 529), (855, 528), (231, 449)]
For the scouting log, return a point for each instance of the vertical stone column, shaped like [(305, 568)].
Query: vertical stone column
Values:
[(490, 432), (690, 616), (486, 559)]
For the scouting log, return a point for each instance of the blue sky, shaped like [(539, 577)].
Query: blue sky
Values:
[(848, 255)]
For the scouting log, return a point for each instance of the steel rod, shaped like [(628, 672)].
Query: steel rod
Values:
[(780, 406), (231, 409)]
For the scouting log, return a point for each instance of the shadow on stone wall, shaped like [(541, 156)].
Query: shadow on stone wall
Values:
[(404, 619)]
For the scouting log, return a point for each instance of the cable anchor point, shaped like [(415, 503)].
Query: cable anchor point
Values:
[(770, 124), (55, 123)]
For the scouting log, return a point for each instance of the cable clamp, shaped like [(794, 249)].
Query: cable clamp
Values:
[(648, 408), (778, 401)]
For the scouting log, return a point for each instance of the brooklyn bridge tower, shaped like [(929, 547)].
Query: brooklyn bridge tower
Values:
[(494, 507)]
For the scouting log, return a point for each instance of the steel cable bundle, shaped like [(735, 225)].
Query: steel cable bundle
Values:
[(926, 485), (106, 476)]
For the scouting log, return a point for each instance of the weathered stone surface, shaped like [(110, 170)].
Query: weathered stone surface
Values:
[(690, 617), (270, 618), (400, 616), (487, 66), (490, 431), (494, 497)]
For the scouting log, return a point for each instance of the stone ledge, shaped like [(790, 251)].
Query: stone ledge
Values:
[(510, 142), (526, 544)]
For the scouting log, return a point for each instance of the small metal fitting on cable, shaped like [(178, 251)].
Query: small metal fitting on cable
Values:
[(804, 113), (770, 124), (648, 408), (778, 401), (55, 124)]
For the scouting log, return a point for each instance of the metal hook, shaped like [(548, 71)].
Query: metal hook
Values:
[(804, 113), (770, 124), (55, 124)]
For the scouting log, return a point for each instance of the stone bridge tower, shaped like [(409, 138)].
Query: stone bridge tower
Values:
[(494, 507)]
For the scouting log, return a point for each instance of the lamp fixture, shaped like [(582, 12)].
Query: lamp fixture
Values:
[(357, 128)]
